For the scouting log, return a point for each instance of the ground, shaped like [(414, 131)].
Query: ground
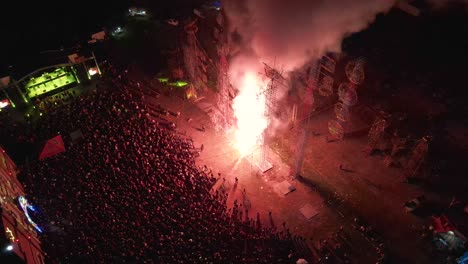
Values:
[(371, 190)]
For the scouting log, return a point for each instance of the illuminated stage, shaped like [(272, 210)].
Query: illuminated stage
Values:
[(50, 81)]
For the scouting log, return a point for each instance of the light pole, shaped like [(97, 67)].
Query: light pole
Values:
[(8, 97), (95, 61)]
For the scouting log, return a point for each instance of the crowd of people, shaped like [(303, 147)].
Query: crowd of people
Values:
[(130, 191), (47, 103)]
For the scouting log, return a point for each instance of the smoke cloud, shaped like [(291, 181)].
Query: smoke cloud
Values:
[(285, 34), (292, 32)]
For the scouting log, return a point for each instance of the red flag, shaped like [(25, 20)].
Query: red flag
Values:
[(52, 147)]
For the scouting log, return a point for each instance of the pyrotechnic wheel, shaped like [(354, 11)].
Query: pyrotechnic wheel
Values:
[(326, 86), (355, 71), (347, 94), (342, 112)]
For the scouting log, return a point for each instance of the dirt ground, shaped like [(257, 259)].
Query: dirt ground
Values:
[(369, 190)]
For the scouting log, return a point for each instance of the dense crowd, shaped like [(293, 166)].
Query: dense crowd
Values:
[(130, 191), (48, 103)]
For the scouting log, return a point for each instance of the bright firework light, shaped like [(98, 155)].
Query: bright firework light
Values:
[(25, 206), (249, 110)]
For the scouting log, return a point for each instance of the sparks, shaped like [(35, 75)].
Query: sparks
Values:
[(249, 109)]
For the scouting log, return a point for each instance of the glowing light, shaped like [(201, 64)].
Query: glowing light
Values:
[(9, 248), (4, 103), (249, 110), (48, 82), (163, 80), (92, 71), (10, 235), (179, 84), (25, 206)]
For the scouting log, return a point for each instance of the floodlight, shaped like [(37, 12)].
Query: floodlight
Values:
[(4, 103)]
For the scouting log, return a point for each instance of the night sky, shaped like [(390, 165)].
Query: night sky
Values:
[(32, 28)]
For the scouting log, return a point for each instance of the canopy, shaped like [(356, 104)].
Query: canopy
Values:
[(52, 147), (442, 224)]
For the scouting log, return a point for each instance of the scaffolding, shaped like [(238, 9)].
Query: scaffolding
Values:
[(226, 94), (261, 156), (324, 75), (319, 78), (196, 60), (418, 156)]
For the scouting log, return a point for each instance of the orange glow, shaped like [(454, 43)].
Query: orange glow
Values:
[(249, 110), (92, 71)]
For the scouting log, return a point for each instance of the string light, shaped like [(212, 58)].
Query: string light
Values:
[(10, 235)]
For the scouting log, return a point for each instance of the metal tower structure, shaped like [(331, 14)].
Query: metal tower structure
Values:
[(269, 93), (196, 60), (319, 78)]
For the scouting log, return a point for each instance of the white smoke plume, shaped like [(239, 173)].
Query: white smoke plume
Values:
[(285, 34), (291, 32)]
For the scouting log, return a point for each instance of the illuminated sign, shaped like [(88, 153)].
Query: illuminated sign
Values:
[(25, 206), (4, 103)]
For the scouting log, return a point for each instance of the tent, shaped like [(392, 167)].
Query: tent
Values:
[(442, 224), (52, 147)]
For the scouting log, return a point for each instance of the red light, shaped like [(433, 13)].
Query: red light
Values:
[(92, 71), (4, 103)]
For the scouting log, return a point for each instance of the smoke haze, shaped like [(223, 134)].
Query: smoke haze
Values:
[(285, 34), (292, 32)]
